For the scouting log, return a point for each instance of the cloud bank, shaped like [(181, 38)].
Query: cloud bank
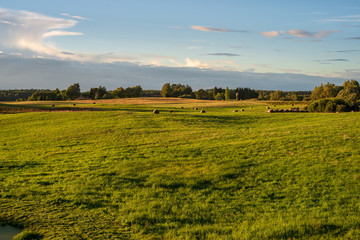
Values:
[(51, 74)]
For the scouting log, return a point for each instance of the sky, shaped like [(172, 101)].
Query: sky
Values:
[(261, 44)]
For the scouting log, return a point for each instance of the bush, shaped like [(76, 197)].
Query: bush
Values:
[(341, 108), (28, 235), (328, 105), (186, 96)]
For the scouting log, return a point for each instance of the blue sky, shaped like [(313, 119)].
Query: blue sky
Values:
[(239, 43)]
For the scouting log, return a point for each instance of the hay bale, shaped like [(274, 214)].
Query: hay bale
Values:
[(74, 104), (202, 111), (242, 110), (235, 110), (94, 102), (53, 105), (196, 108), (181, 107), (171, 111), (267, 107), (251, 107), (156, 111)]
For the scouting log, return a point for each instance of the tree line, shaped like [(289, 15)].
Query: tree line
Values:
[(349, 92), (240, 93), (331, 98), (73, 92), (185, 91)]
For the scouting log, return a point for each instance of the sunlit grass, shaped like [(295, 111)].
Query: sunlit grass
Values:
[(124, 172)]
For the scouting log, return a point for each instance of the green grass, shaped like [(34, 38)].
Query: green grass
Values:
[(125, 173)]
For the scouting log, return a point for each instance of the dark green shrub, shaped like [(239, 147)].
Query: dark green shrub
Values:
[(28, 235), (341, 108), (186, 96), (328, 105)]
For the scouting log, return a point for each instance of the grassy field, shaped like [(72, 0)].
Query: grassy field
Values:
[(117, 171)]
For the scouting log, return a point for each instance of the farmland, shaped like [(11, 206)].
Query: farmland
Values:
[(115, 170)]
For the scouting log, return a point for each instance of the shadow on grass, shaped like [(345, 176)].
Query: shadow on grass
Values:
[(11, 109), (308, 231)]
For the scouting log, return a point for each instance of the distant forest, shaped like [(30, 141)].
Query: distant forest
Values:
[(168, 90)]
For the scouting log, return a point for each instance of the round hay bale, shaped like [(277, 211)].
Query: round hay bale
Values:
[(53, 105), (171, 111), (74, 104), (235, 110), (196, 108), (242, 110), (181, 107), (202, 111), (271, 111), (267, 107), (94, 102), (156, 111)]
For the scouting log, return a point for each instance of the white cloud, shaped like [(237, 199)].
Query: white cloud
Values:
[(350, 18), (7, 22), (28, 33), (196, 63), (270, 34), (213, 29), (76, 17), (25, 30), (300, 33), (323, 34), (61, 33)]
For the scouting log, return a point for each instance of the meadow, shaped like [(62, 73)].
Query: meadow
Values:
[(115, 170)]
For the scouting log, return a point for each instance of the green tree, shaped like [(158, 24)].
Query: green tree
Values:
[(350, 92), (293, 96), (277, 95), (92, 93), (227, 93), (119, 93), (100, 92), (201, 94), (73, 91), (165, 90), (220, 96)]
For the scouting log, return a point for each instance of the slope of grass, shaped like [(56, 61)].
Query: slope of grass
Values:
[(125, 173)]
